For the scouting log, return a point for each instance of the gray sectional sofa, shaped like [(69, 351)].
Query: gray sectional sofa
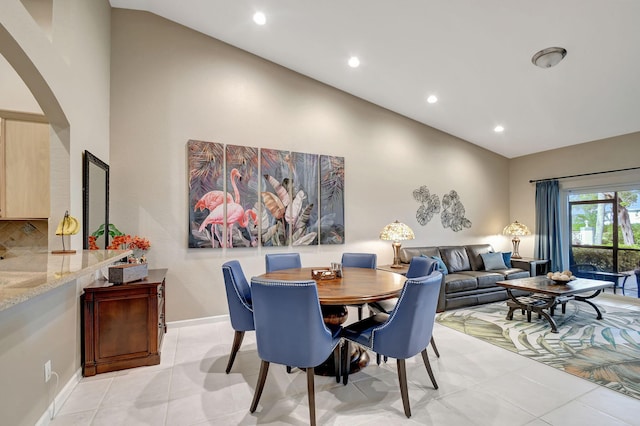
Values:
[(467, 281)]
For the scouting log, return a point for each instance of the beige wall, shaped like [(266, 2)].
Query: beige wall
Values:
[(65, 66), (171, 84), (607, 154)]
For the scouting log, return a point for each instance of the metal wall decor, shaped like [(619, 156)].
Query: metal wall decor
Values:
[(429, 205), (453, 212)]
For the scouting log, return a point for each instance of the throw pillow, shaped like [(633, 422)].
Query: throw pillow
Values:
[(441, 265), (493, 261), (506, 256)]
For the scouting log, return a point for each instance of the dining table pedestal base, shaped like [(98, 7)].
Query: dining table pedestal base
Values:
[(337, 315)]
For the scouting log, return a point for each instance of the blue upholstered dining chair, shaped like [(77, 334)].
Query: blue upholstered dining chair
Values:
[(402, 334), (239, 301), (418, 267), (359, 260), (278, 261), (290, 330)]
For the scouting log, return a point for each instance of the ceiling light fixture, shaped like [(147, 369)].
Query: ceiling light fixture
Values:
[(354, 62), (546, 58), (259, 18), (498, 129), (432, 99)]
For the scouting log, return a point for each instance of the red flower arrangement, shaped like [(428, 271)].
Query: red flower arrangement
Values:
[(92, 243), (120, 241), (127, 242)]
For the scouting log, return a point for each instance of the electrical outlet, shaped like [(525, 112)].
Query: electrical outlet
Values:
[(47, 371)]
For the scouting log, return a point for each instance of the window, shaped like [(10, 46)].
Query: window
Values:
[(605, 229)]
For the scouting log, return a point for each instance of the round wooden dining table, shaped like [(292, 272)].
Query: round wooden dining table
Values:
[(357, 286)]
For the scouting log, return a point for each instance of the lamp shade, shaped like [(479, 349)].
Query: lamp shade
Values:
[(517, 229), (396, 231)]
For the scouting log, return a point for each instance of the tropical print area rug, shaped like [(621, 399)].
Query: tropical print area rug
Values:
[(606, 352)]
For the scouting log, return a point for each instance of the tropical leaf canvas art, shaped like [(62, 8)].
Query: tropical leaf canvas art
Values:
[(242, 208), (302, 213), (289, 198), (205, 162), (331, 221)]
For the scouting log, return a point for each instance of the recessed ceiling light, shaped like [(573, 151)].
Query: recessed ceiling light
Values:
[(432, 99), (354, 62), (498, 129), (259, 18)]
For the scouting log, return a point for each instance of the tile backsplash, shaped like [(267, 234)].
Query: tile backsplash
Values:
[(20, 236)]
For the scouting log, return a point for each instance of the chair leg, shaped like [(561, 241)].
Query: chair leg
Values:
[(264, 369), (337, 361), (404, 390), (427, 364), (360, 307), (312, 396), (378, 359), (435, 348), (237, 341), (346, 361), (289, 369)]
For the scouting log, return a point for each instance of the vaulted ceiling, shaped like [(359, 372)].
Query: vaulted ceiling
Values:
[(474, 56)]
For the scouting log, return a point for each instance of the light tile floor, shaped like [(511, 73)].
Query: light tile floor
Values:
[(479, 384)]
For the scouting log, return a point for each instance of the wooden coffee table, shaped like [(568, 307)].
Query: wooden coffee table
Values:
[(546, 295)]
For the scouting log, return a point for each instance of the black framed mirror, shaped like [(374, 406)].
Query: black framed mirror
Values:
[(95, 205)]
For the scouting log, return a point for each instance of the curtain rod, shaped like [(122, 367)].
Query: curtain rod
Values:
[(583, 174)]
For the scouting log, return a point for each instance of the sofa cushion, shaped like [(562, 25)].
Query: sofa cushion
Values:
[(456, 259), (459, 282), (493, 261), (506, 256), (408, 253), (486, 279), (474, 251)]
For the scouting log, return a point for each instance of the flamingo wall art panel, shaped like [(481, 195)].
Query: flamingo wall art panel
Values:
[(331, 221), (206, 191), (302, 213), (242, 208)]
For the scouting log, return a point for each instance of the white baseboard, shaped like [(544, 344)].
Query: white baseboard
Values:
[(59, 399), (197, 321)]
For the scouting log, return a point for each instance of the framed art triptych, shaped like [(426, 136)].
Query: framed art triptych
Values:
[(244, 197)]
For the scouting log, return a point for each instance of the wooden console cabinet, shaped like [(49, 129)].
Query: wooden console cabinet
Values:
[(123, 325)]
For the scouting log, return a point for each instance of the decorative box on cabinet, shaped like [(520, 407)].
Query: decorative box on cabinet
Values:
[(123, 325)]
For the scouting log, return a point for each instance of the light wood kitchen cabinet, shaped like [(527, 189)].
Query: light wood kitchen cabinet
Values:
[(24, 169)]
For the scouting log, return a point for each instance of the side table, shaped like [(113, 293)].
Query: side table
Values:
[(388, 268), (534, 266)]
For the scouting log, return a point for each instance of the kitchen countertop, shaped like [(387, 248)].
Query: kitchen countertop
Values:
[(25, 277)]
